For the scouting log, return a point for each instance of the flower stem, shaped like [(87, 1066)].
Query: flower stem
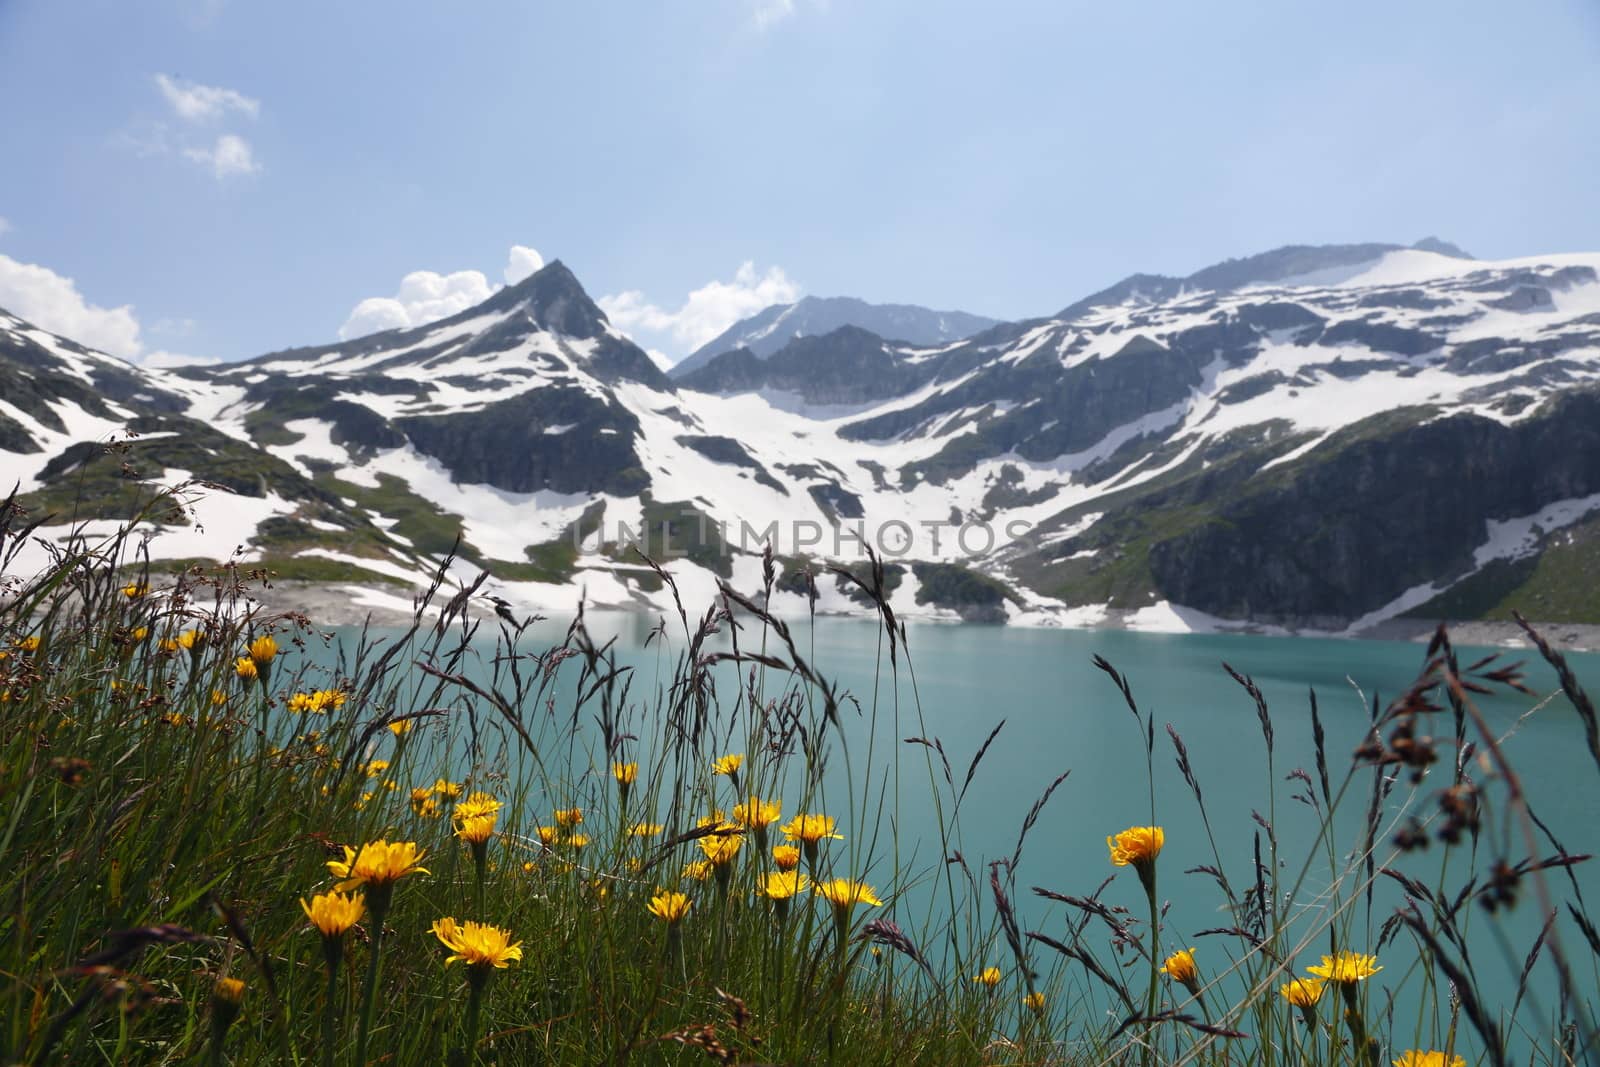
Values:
[(378, 906), (475, 984), (1147, 875), (330, 1010)]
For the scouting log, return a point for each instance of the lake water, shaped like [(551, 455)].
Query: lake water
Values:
[(1061, 713)]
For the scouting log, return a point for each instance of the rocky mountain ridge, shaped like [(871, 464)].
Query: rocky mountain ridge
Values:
[(1409, 432)]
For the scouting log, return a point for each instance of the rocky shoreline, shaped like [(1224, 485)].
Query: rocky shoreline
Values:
[(344, 604)]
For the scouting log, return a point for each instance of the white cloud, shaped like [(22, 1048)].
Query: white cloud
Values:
[(706, 312), (427, 296), (204, 103), (229, 156), (769, 12), (424, 296), (521, 262), (52, 302)]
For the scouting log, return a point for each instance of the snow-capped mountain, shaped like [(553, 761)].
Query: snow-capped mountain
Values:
[(1411, 431), (770, 330)]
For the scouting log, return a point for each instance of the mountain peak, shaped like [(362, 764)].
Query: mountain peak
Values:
[(556, 300), (770, 329)]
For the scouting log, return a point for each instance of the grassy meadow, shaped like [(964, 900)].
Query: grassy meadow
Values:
[(455, 847)]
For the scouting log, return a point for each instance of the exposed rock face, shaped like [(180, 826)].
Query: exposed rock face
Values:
[(1346, 534)]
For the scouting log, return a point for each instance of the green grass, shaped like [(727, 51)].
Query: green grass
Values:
[(163, 816)]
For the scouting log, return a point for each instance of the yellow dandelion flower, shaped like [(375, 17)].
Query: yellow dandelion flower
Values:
[(1180, 966), (1136, 845), (697, 870), (401, 728), (299, 702), (670, 908), (334, 913), (721, 847), (478, 945), (809, 829), (245, 668), (448, 790), (727, 764), (139, 633), (218, 698), (989, 976), (625, 773), (782, 885), (378, 863), (423, 804), (30, 644), (476, 804), (568, 816), (645, 829), (1346, 968), (135, 590), (1414, 1058), (757, 814), (375, 768), (1034, 1002), (578, 840), (548, 835), (787, 857), (230, 990), (844, 893), (190, 640), (1302, 992), (263, 650), (476, 829)]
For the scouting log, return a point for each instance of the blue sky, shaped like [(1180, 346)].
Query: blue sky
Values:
[(220, 178)]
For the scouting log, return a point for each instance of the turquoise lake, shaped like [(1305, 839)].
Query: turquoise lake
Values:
[(1063, 714)]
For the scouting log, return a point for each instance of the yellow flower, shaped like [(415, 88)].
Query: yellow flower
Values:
[(757, 814), (135, 590), (374, 768), (30, 644), (139, 633), (548, 835), (401, 728), (218, 698), (670, 908), (245, 668), (1136, 845), (727, 764), (721, 847), (568, 816), (781, 885), (423, 804), (645, 829), (379, 863), (1180, 966), (230, 991), (263, 649), (476, 829), (189, 640), (989, 976), (1302, 992), (843, 893), (475, 806), (448, 790), (1034, 1002), (809, 829), (578, 840), (698, 870), (299, 702), (477, 944), (1428, 1059), (625, 773), (1346, 968), (334, 913), (787, 857)]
